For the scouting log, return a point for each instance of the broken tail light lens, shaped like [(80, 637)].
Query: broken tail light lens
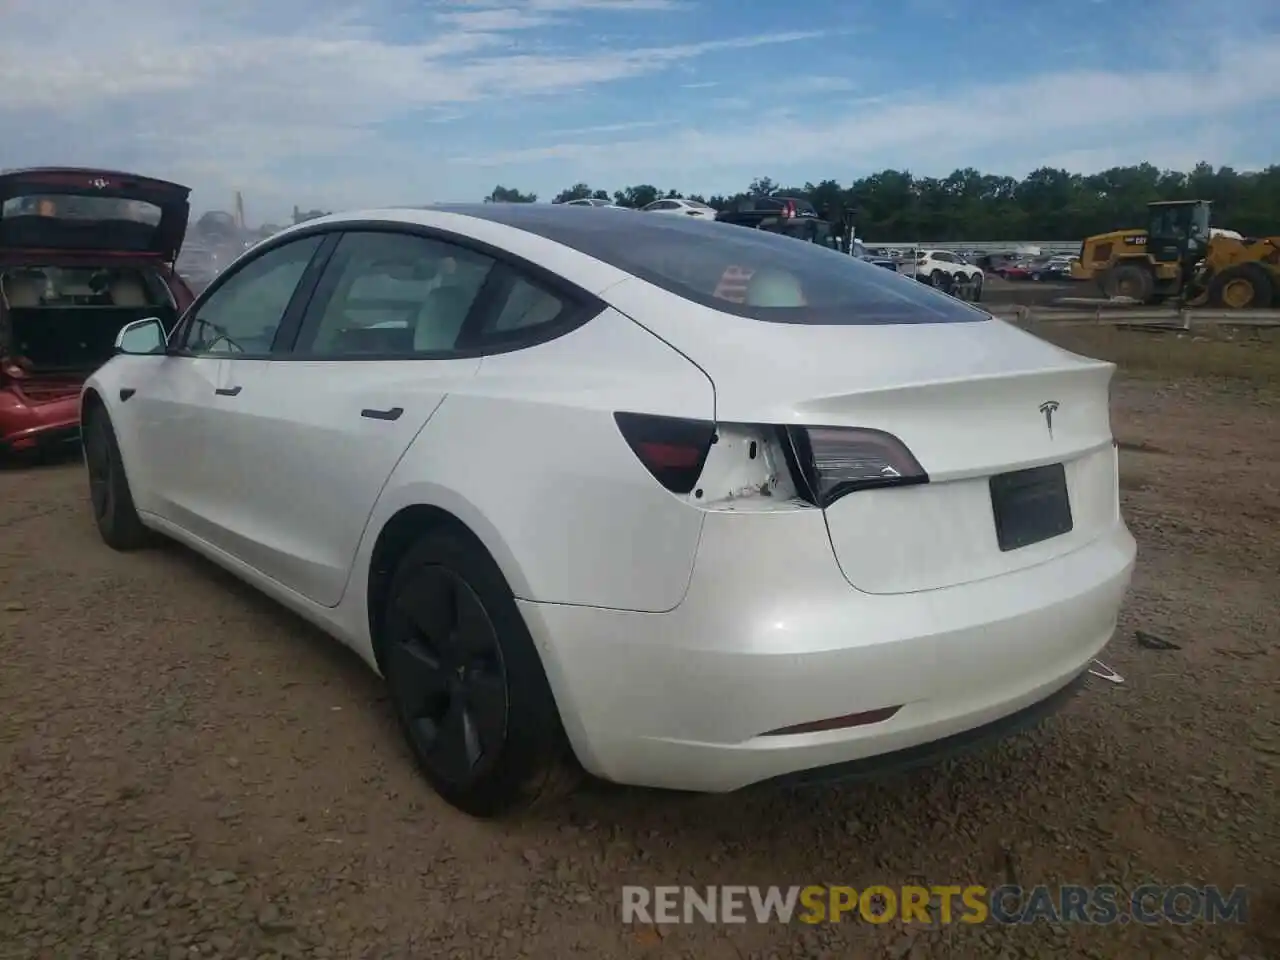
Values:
[(835, 461), (673, 449)]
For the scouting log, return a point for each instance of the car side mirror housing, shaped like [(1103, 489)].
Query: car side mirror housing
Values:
[(141, 337)]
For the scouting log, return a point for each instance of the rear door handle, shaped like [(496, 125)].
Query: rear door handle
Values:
[(228, 391), (392, 414)]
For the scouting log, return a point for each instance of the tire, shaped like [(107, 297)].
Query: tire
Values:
[(109, 494), (467, 684), (1246, 287), (940, 280), (1129, 280), (977, 288)]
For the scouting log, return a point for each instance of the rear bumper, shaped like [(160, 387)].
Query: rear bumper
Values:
[(27, 424), (771, 635)]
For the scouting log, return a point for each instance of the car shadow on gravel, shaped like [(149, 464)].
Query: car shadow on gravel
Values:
[(772, 819), (332, 656)]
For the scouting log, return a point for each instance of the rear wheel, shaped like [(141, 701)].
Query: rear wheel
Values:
[(1241, 288), (467, 683), (1129, 280), (109, 494)]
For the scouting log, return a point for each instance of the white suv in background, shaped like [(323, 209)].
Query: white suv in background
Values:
[(690, 208), (940, 266)]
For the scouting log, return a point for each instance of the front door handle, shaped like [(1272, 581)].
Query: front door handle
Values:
[(392, 414), (228, 391)]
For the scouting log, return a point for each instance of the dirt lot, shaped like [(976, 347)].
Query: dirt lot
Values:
[(190, 772)]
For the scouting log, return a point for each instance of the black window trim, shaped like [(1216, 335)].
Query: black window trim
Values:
[(580, 305), (287, 327)]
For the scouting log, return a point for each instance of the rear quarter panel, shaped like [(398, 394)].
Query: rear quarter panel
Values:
[(528, 455)]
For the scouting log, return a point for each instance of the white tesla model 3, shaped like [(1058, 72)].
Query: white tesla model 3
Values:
[(693, 506)]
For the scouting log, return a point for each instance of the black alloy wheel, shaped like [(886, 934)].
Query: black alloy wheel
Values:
[(109, 495), (447, 671), (467, 682), (97, 460)]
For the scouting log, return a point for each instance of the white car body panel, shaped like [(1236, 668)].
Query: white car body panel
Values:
[(553, 405), (676, 631), (304, 450)]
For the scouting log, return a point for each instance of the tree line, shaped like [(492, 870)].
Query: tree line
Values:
[(1047, 204)]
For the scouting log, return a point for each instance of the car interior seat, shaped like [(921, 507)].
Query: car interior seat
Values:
[(440, 319), (22, 289), (128, 290), (773, 288)]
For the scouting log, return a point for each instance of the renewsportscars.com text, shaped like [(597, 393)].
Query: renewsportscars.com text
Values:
[(945, 904)]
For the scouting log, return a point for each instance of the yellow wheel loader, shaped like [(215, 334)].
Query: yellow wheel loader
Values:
[(1179, 256)]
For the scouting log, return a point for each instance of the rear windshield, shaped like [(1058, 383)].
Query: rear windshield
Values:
[(751, 273), (51, 220)]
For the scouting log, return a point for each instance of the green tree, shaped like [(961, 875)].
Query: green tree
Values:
[(1047, 204), (579, 191), (636, 197), (503, 194)]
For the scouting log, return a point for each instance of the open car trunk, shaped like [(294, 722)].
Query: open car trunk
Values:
[(71, 341), (59, 323), (81, 211)]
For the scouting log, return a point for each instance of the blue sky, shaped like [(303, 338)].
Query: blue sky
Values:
[(340, 104)]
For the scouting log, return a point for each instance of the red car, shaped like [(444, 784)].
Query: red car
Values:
[(82, 253), (1015, 271)]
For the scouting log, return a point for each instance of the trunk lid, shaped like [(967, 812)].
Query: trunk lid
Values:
[(72, 210), (969, 400)]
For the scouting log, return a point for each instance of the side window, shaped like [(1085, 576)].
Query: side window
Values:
[(527, 305), (244, 313), (392, 294)]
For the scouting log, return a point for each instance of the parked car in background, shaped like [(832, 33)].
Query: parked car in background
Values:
[(879, 260), (1052, 269), (1014, 270), (948, 271), (681, 208), (83, 253), (751, 440)]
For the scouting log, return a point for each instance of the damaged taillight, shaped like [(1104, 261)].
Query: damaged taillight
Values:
[(835, 461), (673, 449)]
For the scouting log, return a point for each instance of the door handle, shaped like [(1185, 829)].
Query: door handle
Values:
[(227, 391), (392, 414)]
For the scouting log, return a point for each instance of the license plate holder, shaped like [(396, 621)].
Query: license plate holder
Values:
[(1030, 506)]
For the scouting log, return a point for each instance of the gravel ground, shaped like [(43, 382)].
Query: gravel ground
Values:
[(189, 771)]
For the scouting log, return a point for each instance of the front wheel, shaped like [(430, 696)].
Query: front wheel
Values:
[(112, 501), (1245, 287), (976, 281), (467, 683)]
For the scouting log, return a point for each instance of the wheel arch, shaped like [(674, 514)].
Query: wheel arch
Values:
[(405, 526), (90, 401)]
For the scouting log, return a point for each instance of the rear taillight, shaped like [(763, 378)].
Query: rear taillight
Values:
[(835, 461), (673, 449)]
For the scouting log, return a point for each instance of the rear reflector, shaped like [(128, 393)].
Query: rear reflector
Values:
[(671, 448), (835, 461), (866, 718)]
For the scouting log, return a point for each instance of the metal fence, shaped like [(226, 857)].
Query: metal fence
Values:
[(1185, 319), (1048, 248)]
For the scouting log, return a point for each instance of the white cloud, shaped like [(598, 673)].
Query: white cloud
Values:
[(306, 102), (1059, 113)]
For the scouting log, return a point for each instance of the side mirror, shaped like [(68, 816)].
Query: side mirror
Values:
[(141, 337)]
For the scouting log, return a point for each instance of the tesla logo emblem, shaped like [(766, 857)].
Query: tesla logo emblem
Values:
[(99, 183), (1049, 408)]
